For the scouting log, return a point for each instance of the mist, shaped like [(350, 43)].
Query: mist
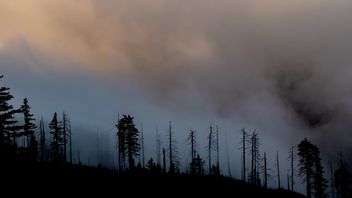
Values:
[(281, 67)]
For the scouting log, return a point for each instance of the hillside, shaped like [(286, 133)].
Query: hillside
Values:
[(88, 180)]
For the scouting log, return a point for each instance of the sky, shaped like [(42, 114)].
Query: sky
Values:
[(280, 67)]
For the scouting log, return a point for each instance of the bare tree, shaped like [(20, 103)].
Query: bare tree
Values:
[(210, 147), (43, 150), (191, 140), (142, 157), (228, 157), (278, 170), (255, 161), (172, 151), (217, 151), (265, 172), (244, 142), (164, 161), (158, 147), (292, 170)]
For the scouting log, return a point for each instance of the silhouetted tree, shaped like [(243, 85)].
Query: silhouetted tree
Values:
[(311, 169), (255, 161), (210, 146), (172, 151), (8, 128), (158, 147), (128, 139), (320, 183), (278, 170), (265, 172), (57, 139), (70, 137), (343, 181), (65, 133), (244, 142), (43, 150), (191, 140), (29, 129), (164, 161), (197, 166), (306, 163), (291, 158), (141, 157), (217, 152), (121, 140)]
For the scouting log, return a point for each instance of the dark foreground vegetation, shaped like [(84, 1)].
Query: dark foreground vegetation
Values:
[(68, 178)]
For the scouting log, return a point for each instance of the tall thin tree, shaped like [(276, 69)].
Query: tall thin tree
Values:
[(56, 144), (244, 145), (64, 134), (217, 152), (158, 147), (210, 148), (164, 161), (191, 140), (292, 168), (228, 157), (70, 137), (142, 145), (8, 128), (265, 172), (278, 170), (43, 150), (29, 129)]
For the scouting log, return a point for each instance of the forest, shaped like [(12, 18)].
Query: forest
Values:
[(30, 153)]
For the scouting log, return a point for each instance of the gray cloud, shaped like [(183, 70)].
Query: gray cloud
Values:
[(282, 66)]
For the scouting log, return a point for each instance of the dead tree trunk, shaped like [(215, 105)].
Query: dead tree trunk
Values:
[(265, 172), (217, 151), (210, 143), (278, 169)]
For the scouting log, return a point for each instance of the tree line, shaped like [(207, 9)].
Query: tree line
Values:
[(22, 139), (19, 138)]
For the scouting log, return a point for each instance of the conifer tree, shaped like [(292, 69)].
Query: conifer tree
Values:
[(128, 140), (57, 139), (8, 128), (29, 129)]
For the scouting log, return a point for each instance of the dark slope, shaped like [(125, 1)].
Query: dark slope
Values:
[(85, 181)]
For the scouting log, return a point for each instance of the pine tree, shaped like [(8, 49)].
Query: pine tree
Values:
[(306, 163), (311, 169), (128, 140), (8, 128), (65, 134), (57, 139), (343, 181), (320, 183), (192, 141), (217, 152), (244, 143), (43, 150), (29, 129), (211, 146), (172, 151), (291, 158), (255, 161), (158, 147)]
